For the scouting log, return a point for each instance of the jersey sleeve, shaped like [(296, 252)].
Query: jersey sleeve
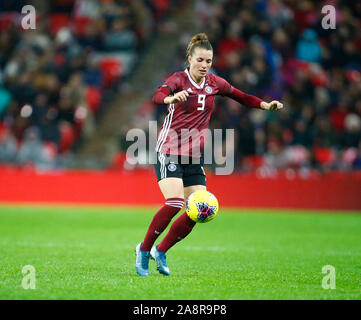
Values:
[(172, 83), (224, 87), (227, 90), (169, 87)]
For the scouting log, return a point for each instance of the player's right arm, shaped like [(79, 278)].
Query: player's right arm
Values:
[(166, 94), (226, 89), (180, 96)]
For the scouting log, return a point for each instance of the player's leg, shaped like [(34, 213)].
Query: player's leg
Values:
[(194, 178), (171, 185), (182, 226), (172, 190), (189, 190)]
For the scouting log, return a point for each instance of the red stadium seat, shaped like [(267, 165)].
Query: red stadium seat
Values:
[(161, 7), (254, 161), (80, 25), (112, 69), (325, 156), (58, 21), (353, 76), (118, 160), (146, 108), (6, 19), (229, 44), (93, 98), (2, 129), (67, 136)]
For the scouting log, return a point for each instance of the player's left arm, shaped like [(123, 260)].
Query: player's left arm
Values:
[(253, 101), (226, 89)]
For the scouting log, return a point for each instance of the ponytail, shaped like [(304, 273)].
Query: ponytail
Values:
[(200, 40)]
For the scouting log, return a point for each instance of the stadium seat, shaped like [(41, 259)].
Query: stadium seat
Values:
[(93, 98), (161, 7), (2, 128), (118, 160), (353, 76), (254, 161), (67, 137), (112, 69), (58, 21), (146, 108), (80, 25), (324, 156), (6, 19)]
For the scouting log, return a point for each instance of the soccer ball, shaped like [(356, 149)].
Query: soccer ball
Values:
[(202, 206)]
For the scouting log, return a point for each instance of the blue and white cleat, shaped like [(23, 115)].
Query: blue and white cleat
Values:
[(142, 261), (161, 260)]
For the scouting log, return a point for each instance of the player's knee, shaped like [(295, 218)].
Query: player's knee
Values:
[(176, 203)]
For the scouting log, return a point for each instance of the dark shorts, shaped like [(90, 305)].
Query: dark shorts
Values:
[(169, 166)]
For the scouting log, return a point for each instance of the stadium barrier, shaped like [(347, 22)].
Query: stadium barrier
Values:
[(334, 190)]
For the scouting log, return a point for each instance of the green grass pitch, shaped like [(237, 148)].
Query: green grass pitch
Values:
[(88, 253)]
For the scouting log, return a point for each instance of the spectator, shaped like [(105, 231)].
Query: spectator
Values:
[(5, 99), (8, 147), (357, 162), (308, 47), (324, 135), (352, 135), (32, 151), (120, 37), (301, 135)]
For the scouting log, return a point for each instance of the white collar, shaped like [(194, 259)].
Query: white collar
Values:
[(198, 86)]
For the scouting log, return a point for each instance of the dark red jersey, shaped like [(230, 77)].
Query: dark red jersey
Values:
[(186, 122)]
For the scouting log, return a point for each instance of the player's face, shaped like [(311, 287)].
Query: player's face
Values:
[(200, 63)]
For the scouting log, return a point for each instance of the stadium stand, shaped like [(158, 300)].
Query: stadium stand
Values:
[(54, 79), (279, 50)]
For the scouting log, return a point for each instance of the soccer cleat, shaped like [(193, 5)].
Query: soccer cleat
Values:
[(161, 260), (152, 257), (142, 261)]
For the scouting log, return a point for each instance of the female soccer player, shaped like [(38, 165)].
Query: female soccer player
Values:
[(189, 95)]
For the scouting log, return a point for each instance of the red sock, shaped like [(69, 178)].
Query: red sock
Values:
[(178, 231), (161, 220)]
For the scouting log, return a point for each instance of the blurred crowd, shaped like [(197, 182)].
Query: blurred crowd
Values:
[(53, 79), (278, 50)]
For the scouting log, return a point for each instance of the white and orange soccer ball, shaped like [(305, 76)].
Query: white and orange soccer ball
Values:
[(202, 206)]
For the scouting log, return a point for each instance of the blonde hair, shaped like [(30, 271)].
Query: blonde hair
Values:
[(200, 40)]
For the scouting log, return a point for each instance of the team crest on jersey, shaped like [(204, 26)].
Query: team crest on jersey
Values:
[(172, 167), (208, 89)]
